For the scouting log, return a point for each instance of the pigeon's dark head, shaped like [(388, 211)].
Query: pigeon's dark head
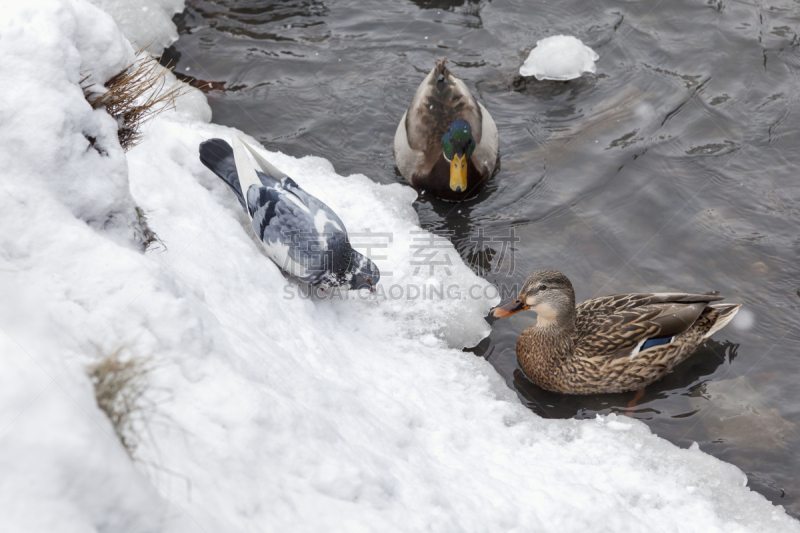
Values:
[(365, 273), (351, 269)]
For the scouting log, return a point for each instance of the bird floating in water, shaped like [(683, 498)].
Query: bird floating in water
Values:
[(561, 57), (446, 142), (302, 235), (609, 344)]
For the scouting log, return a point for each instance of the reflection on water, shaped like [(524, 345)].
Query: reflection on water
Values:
[(673, 168)]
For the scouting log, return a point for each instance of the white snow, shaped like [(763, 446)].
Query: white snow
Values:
[(560, 57), (278, 413), (146, 23)]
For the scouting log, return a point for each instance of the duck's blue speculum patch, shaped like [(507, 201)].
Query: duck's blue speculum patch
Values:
[(649, 343)]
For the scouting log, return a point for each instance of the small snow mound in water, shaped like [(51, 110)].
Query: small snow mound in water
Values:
[(744, 320), (560, 57)]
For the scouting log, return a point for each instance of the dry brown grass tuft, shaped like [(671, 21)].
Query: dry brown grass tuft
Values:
[(142, 233), (136, 95), (120, 385)]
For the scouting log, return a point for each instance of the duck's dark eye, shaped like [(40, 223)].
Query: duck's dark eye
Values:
[(542, 287)]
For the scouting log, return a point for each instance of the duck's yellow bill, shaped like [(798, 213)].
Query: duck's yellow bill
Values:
[(458, 173), (511, 308)]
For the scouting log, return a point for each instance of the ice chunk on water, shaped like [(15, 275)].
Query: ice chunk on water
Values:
[(744, 320), (561, 57)]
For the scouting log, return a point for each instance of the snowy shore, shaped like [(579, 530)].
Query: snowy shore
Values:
[(276, 413)]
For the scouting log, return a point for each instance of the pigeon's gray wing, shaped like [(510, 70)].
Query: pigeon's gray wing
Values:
[(265, 180), (288, 231), (327, 221), (324, 217)]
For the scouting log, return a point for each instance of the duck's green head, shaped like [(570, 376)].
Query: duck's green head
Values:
[(457, 146)]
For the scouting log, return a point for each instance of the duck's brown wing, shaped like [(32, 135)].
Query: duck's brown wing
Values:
[(616, 326), (440, 99)]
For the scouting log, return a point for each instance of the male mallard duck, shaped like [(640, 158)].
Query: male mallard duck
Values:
[(609, 344), (446, 143), (302, 235)]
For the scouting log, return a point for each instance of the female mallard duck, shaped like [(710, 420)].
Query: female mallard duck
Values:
[(609, 344), (446, 143)]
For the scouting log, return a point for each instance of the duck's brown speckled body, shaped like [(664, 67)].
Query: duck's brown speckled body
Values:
[(599, 345)]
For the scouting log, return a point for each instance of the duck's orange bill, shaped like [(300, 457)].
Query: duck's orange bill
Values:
[(511, 308)]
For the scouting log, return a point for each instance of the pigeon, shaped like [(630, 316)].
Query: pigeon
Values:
[(302, 235)]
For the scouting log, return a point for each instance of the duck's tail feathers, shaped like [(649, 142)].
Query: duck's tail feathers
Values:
[(725, 313), (217, 155), (441, 67)]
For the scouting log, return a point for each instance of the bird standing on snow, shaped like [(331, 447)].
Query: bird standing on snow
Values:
[(609, 344), (446, 143), (302, 235)]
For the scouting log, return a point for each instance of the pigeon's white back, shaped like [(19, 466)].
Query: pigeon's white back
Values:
[(244, 168)]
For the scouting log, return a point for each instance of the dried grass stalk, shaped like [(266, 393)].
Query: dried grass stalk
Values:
[(142, 233), (120, 385), (136, 95)]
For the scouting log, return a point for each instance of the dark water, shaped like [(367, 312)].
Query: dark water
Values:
[(674, 167)]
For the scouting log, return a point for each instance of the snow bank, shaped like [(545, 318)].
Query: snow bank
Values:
[(278, 413), (145, 23), (560, 57)]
